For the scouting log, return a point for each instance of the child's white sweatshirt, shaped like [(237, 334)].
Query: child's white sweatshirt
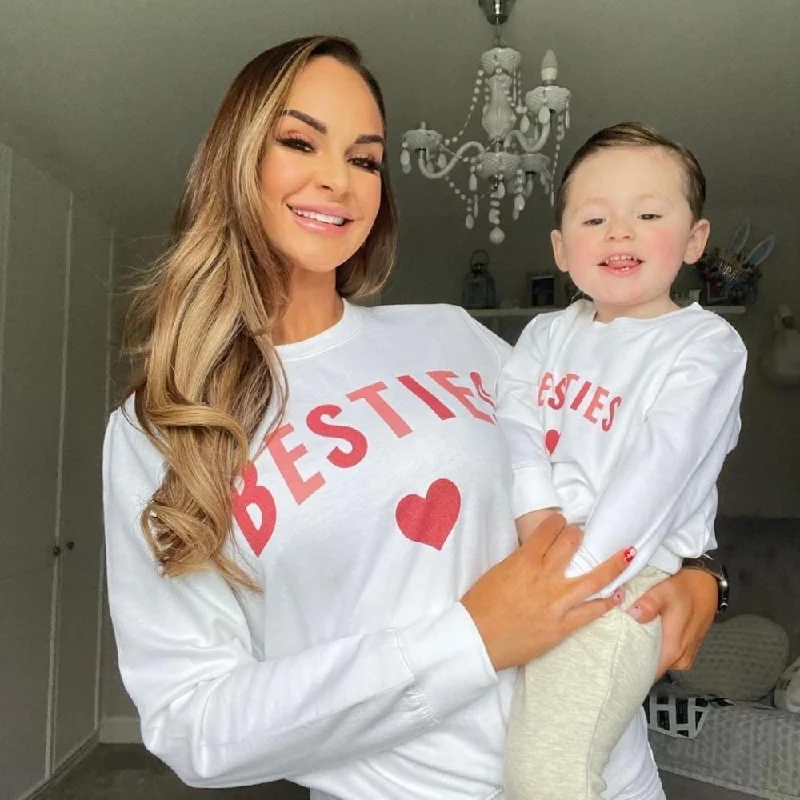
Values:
[(624, 426)]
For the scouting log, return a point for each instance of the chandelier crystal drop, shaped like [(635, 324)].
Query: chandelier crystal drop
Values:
[(503, 171)]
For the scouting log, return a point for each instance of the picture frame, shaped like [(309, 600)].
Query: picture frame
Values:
[(541, 290), (715, 295)]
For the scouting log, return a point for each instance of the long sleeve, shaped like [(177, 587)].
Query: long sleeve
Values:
[(519, 416), (221, 716), (672, 465)]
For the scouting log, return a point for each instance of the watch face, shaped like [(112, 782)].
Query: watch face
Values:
[(724, 589), (723, 585)]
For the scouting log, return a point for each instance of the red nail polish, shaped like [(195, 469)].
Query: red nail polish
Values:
[(630, 554), (619, 596)]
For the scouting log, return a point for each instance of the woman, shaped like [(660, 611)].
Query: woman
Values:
[(356, 628)]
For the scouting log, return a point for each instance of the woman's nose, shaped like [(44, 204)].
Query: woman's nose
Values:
[(333, 174)]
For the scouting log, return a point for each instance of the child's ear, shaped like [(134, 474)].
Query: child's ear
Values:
[(557, 240), (698, 238)]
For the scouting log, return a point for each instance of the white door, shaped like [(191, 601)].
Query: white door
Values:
[(81, 525), (33, 233)]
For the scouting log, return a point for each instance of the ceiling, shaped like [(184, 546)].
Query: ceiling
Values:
[(114, 95)]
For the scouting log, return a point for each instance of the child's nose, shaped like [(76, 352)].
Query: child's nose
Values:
[(620, 229)]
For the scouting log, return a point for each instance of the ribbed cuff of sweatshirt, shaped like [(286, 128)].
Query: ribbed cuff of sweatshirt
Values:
[(533, 490), (449, 660)]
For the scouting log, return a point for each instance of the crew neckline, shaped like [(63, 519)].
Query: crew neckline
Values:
[(640, 322), (342, 330)]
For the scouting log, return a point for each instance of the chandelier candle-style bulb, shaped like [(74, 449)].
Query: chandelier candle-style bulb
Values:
[(517, 127), (549, 68)]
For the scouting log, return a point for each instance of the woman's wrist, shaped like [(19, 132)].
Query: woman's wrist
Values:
[(717, 571), (448, 659)]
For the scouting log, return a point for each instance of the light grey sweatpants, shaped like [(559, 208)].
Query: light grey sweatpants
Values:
[(571, 705)]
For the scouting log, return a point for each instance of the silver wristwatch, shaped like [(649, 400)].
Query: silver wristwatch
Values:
[(718, 572)]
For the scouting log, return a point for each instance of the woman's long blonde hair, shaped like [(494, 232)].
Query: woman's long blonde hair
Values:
[(202, 319)]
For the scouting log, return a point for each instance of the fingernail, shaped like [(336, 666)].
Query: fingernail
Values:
[(618, 596), (630, 554), (635, 612)]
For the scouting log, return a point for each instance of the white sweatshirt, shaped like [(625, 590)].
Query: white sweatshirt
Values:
[(381, 499), (624, 426)]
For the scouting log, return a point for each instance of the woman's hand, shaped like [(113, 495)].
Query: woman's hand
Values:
[(687, 603), (524, 605)]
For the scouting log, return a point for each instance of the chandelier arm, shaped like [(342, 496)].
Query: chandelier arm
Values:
[(500, 160), (423, 167), (525, 143)]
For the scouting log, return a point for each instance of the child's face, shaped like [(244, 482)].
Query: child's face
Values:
[(626, 230)]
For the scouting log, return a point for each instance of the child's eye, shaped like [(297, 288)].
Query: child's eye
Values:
[(594, 221), (367, 163), (649, 216), (296, 143)]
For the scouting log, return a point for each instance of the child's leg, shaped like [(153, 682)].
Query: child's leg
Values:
[(571, 705)]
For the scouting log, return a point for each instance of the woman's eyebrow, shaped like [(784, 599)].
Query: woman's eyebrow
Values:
[(371, 138), (321, 127), (316, 124)]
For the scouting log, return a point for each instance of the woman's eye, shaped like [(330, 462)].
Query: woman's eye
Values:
[(368, 164), (296, 143)]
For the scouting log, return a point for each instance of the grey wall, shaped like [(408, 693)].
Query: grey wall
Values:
[(131, 257), (112, 89), (760, 477)]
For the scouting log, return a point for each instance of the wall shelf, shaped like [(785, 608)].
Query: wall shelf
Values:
[(528, 313)]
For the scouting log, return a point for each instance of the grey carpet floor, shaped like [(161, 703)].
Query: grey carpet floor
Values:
[(129, 772)]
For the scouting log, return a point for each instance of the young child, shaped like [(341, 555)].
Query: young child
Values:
[(619, 413)]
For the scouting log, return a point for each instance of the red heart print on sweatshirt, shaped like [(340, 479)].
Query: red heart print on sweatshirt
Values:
[(429, 520)]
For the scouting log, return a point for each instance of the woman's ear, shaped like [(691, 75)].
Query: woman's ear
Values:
[(557, 240), (698, 238)]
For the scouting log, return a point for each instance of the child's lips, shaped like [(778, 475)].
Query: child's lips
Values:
[(623, 263)]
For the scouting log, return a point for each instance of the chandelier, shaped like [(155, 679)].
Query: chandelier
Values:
[(518, 126)]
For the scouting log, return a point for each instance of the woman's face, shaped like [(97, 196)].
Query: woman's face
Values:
[(321, 173)]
